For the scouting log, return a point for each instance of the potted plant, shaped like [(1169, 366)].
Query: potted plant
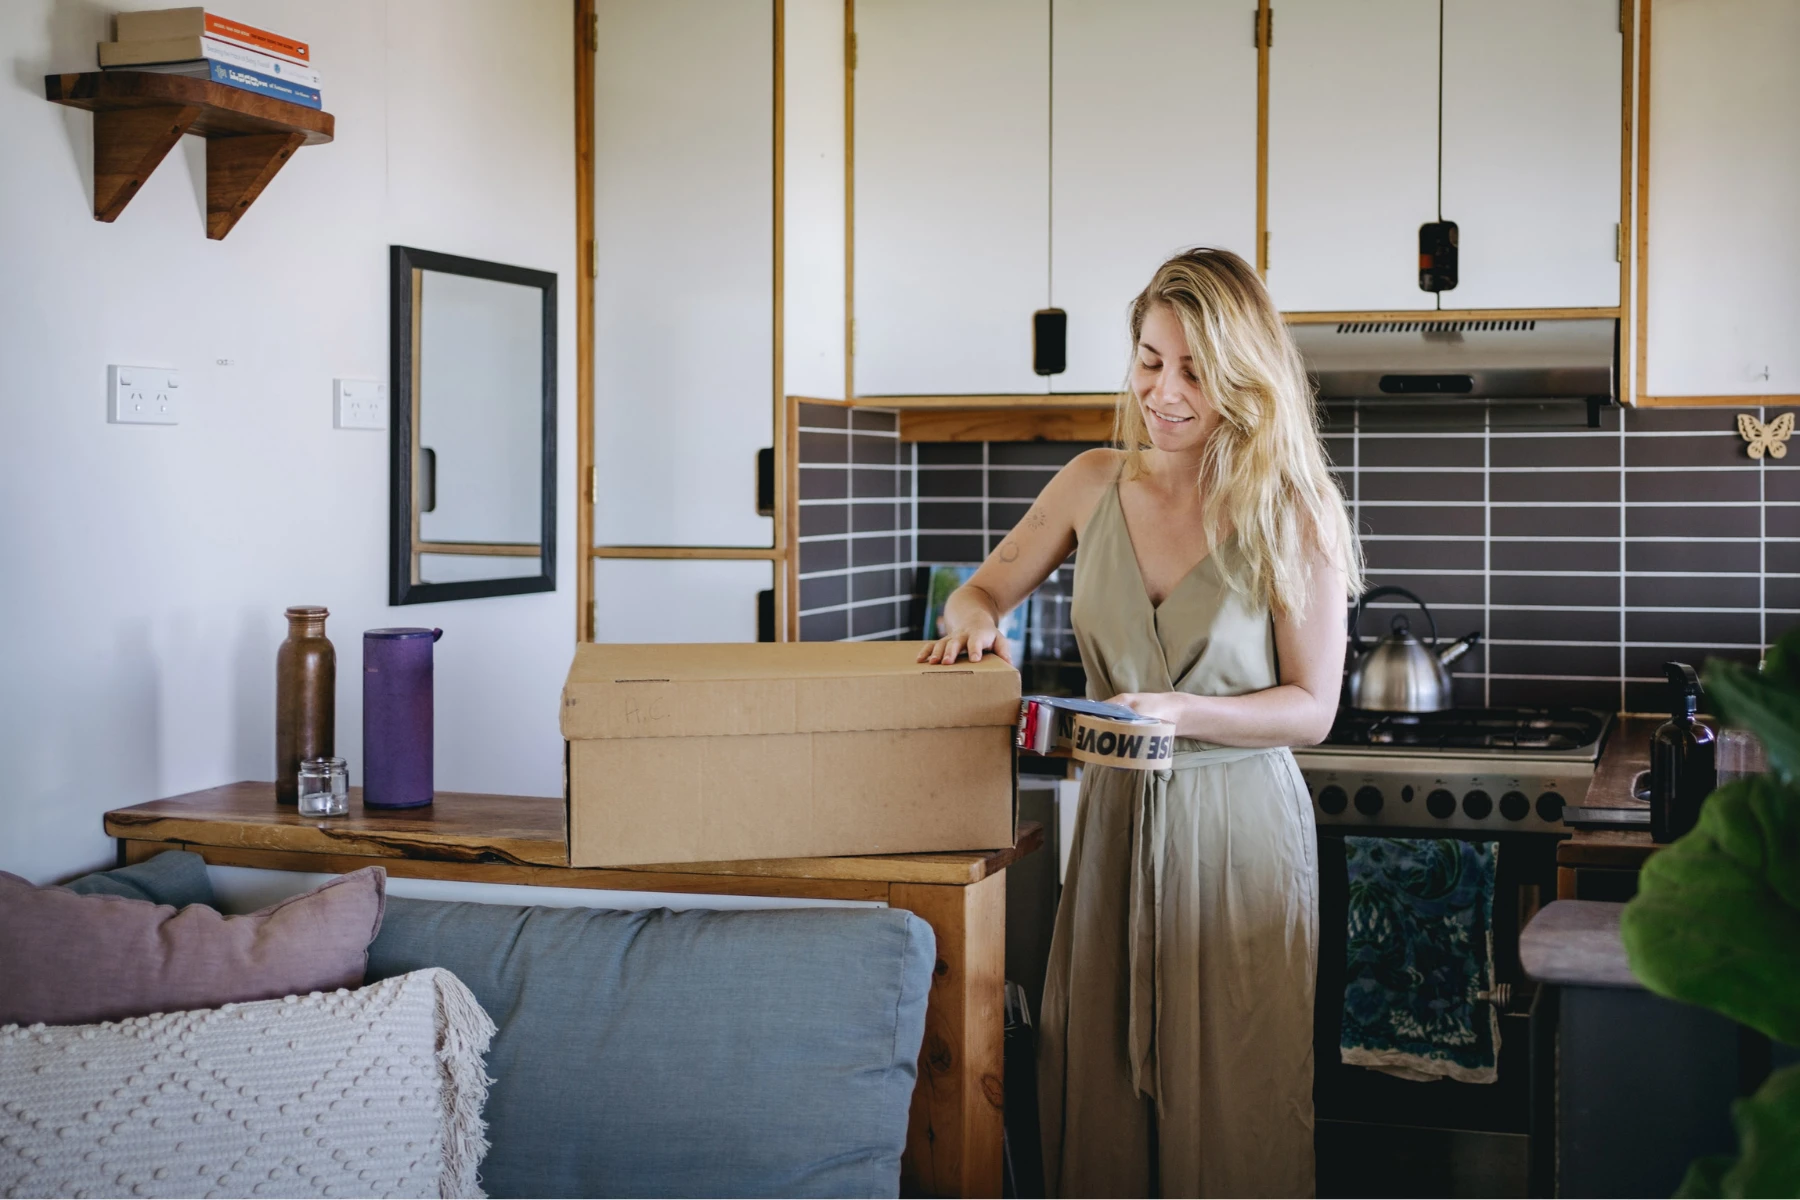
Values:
[(1716, 921)]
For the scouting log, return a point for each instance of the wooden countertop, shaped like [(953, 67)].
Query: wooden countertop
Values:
[(1627, 755), (525, 832)]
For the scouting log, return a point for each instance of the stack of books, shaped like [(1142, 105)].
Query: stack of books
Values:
[(193, 41)]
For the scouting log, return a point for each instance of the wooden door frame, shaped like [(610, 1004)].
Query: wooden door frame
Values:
[(780, 552)]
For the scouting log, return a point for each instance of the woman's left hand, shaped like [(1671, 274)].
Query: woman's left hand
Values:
[(1161, 706)]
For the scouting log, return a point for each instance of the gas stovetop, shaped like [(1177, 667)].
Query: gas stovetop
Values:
[(1462, 770), (1536, 732)]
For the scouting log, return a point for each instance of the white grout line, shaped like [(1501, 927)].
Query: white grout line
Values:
[(850, 605), (1537, 434), (1469, 538), (1487, 476), (881, 636), (986, 518), (1687, 645), (1708, 469)]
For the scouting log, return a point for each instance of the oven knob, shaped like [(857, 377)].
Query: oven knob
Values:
[(1368, 801), (1550, 807), (1332, 800), (1477, 805), (1440, 804), (1514, 806)]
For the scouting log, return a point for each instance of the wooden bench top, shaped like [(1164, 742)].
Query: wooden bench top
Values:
[(471, 829)]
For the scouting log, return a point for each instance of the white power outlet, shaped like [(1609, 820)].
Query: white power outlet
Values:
[(358, 404), (143, 395)]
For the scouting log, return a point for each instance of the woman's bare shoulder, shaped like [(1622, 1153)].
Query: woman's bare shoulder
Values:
[(1078, 487)]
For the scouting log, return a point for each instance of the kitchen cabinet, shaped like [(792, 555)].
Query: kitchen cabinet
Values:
[(684, 291), (1722, 249), (678, 599), (1002, 168), (1502, 118), (1353, 128), (951, 167), (1531, 129), (1140, 171)]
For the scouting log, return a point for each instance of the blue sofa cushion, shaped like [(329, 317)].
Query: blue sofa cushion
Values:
[(176, 877), (659, 1053)]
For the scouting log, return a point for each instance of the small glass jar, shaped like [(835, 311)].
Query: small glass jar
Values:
[(1739, 755), (324, 787)]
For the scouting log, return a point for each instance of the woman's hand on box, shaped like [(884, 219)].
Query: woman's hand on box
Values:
[(976, 637)]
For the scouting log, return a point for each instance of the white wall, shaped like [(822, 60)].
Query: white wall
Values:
[(146, 568)]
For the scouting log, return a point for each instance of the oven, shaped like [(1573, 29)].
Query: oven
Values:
[(1502, 775)]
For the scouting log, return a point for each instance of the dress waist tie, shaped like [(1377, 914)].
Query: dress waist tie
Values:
[(1149, 833)]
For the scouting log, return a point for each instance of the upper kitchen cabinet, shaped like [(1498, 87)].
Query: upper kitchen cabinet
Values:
[(684, 295), (1513, 136), (1353, 129), (1144, 160), (951, 177), (1721, 253), (1531, 144)]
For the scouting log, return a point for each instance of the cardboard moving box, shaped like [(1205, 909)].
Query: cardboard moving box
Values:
[(722, 752)]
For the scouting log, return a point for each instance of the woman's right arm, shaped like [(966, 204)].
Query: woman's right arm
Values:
[(1038, 544)]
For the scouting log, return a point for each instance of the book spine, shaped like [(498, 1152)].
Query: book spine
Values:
[(220, 50), (257, 39), (253, 81)]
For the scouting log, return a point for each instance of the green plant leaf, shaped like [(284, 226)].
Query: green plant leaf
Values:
[(1716, 920), (1705, 1178), (1768, 1162)]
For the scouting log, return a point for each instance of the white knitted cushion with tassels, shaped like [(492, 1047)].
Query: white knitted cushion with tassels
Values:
[(376, 1092)]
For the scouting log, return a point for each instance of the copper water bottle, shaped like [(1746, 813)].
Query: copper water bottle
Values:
[(305, 698)]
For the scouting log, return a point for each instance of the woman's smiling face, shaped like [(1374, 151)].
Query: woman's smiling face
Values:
[(1167, 387)]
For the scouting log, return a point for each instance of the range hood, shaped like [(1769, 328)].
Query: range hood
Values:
[(1451, 359)]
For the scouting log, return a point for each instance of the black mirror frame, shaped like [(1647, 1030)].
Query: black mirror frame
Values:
[(402, 262)]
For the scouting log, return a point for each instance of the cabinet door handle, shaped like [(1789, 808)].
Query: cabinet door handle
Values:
[(428, 482), (1049, 341), (1437, 256), (765, 482)]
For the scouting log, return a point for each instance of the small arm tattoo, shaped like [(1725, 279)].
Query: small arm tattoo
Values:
[(1009, 551), (1035, 519)]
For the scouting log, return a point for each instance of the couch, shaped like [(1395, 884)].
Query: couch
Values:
[(743, 1053)]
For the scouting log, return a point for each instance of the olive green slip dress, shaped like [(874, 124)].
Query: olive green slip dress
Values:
[(1176, 1053)]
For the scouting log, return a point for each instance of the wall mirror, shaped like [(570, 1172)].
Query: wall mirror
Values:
[(473, 482)]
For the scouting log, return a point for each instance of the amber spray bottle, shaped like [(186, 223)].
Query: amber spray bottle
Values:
[(305, 698), (1681, 760)]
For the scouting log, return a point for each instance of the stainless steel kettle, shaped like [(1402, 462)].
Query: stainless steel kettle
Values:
[(1399, 673)]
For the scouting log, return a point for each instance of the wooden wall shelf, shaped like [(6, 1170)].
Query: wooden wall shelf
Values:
[(1053, 417), (1006, 424), (990, 402), (140, 115)]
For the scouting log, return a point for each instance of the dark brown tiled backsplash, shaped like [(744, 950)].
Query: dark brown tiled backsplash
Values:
[(857, 563), (1587, 558)]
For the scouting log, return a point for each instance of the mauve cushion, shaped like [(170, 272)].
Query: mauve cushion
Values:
[(70, 959)]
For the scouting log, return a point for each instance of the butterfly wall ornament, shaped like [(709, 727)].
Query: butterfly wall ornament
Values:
[(1770, 438)]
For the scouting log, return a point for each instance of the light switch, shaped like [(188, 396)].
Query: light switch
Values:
[(358, 404), (142, 395)]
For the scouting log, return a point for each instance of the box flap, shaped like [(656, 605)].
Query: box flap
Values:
[(722, 689)]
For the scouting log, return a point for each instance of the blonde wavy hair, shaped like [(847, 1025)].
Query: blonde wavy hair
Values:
[(1263, 472)]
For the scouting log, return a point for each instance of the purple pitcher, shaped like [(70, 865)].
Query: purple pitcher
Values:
[(397, 717)]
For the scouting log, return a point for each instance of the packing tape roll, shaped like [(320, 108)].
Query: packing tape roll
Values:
[(1130, 745)]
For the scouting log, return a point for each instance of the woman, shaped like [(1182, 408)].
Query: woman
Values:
[(1215, 556)]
